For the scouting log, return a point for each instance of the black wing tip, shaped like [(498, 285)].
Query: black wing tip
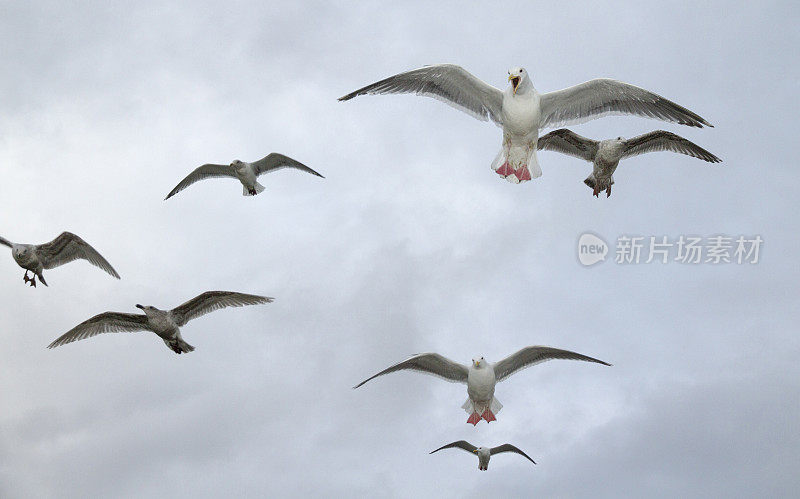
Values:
[(347, 97)]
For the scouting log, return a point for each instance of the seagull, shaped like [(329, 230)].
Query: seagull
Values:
[(165, 323), (245, 172), (484, 453), (63, 249), (521, 111), (605, 154), (481, 377)]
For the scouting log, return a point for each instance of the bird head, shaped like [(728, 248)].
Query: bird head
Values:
[(145, 308), (517, 76), (237, 165), (479, 362)]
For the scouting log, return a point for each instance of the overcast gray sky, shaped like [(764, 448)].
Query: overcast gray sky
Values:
[(410, 244)]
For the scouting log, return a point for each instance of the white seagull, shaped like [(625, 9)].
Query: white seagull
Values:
[(63, 249), (481, 377), (165, 323), (521, 111), (606, 154), (484, 453), (246, 173)]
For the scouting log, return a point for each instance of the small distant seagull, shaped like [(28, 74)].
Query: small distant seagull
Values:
[(481, 377), (165, 323), (484, 453), (246, 173), (521, 111), (63, 249), (606, 154)]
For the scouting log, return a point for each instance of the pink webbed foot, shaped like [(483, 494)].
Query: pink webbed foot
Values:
[(488, 416), (505, 170), (474, 418), (522, 173)]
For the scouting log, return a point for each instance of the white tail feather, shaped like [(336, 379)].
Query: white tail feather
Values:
[(246, 190)]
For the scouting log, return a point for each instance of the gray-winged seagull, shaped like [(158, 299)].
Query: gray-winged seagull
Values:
[(484, 453), (165, 323), (481, 377), (521, 111)]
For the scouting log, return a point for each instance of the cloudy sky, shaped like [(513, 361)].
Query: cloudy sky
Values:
[(410, 244)]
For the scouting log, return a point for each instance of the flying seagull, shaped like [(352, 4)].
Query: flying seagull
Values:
[(521, 111), (246, 173), (484, 453), (63, 249), (606, 154), (165, 323), (481, 377)]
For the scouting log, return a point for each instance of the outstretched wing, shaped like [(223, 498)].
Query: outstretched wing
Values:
[(603, 97), (107, 322), (214, 300), (509, 448), (570, 143), (5, 242), (201, 173), (428, 363), (276, 161), (68, 247), (530, 356), (461, 444), (445, 82), (661, 140)]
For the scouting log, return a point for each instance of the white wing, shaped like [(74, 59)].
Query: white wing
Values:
[(208, 170), (570, 143), (214, 300), (428, 363), (107, 322), (661, 140), (276, 161), (68, 247), (530, 356), (602, 97), (445, 82)]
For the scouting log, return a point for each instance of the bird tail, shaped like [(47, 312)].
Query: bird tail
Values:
[(258, 190), (495, 406), (41, 278), (467, 406), (517, 164), (179, 346)]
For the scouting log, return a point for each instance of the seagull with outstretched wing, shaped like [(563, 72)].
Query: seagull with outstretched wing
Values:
[(481, 376), (521, 111), (246, 173), (605, 155), (65, 248), (484, 453), (165, 323)]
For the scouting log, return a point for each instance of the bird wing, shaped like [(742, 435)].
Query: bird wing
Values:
[(509, 448), (529, 356), (570, 143), (276, 161), (603, 97), (107, 322), (68, 247), (661, 140), (428, 363), (208, 170), (5, 242), (445, 82), (461, 444), (214, 300)]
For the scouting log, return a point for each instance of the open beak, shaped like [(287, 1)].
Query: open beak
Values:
[(514, 81)]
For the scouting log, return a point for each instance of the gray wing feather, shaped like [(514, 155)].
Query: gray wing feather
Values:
[(445, 82), (661, 140), (107, 322), (461, 444), (533, 355), (68, 247), (570, 143), (5, 242), (602, 97), (214, 300), (208, 170), (428, 363), (276, 161), (509, 448)]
